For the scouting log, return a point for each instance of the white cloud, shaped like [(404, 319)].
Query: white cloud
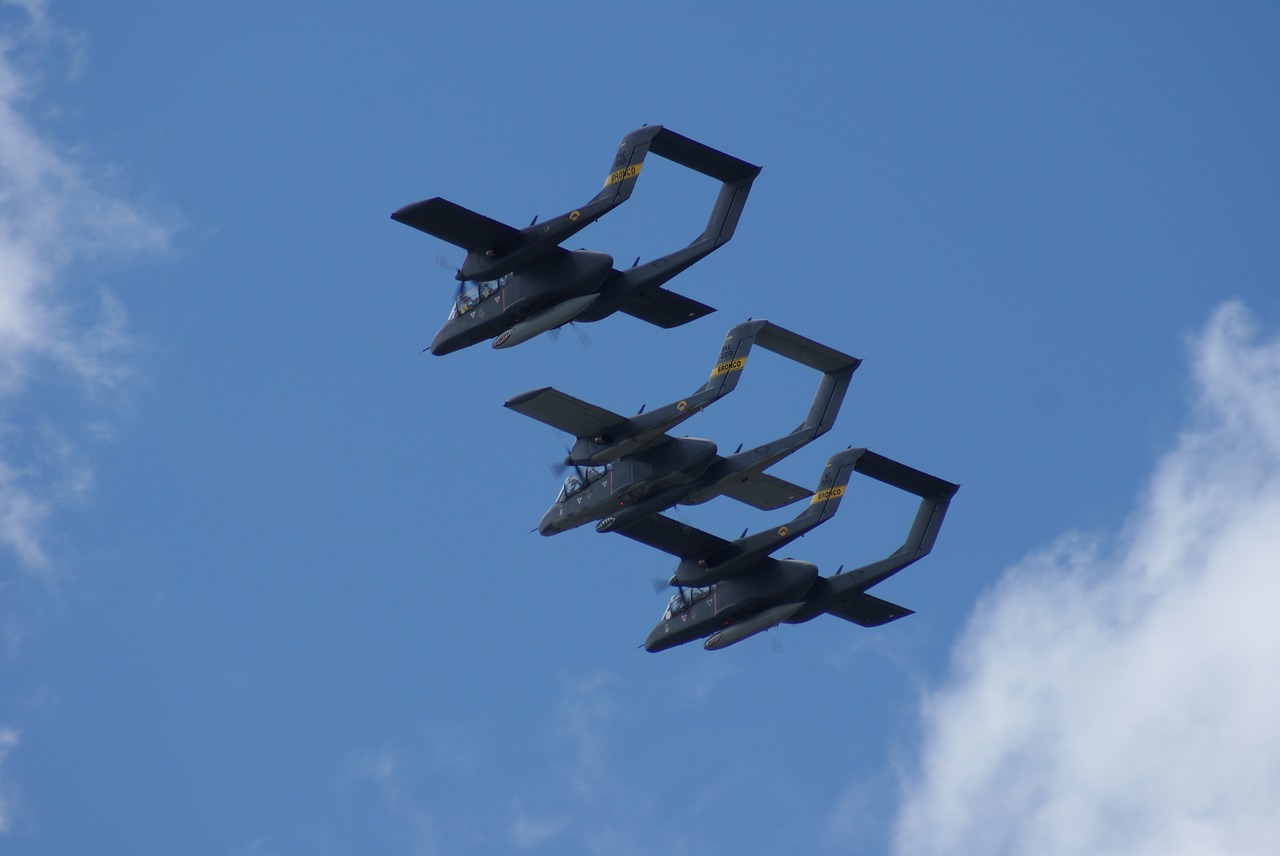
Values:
[(530, 831), (585, 803), (54, 211), (579, 800), (1124, 697), (8, 740), (413, 821)]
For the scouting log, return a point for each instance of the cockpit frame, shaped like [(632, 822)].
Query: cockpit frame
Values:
[(475, 293), (579, 480), (685, 599)]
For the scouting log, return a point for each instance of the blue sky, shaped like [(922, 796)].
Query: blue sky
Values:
[(267, 581)]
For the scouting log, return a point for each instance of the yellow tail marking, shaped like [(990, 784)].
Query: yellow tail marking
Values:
[(727, 366), (830, 493), (623, 174)]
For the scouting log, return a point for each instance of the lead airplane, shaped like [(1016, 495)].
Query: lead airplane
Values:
[(647, 470), (732, 590), (517, 283)]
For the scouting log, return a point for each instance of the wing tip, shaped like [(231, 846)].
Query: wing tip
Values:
[(517, 400)]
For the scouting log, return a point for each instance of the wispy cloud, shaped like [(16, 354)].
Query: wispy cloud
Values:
[(1121, 695), (580, 800), (383, 770), (590, 801), (55, 212), (8, 740)]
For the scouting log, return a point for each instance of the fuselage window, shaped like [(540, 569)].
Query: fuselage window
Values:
[(473, 294), (684, 599), (580, 479)]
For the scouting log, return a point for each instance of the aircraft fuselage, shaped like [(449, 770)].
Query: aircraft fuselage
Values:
[(639, 484), (737, 608), (523, 295)]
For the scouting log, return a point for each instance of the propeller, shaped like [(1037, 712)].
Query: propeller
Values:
[(678, 513), (660, 585), (560, 469), (457, 274), (583, 338)]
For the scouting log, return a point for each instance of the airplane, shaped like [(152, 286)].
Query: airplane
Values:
[(732, 590), (645, 470), (517, 283)]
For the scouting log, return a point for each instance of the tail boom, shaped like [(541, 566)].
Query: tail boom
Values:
[(844, 595)]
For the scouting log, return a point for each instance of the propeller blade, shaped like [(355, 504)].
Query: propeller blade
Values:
[(457, 272), (561, 468)]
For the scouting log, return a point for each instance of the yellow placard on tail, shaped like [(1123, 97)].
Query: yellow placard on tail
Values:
[(728, 366), (623, 174), (830, 493)]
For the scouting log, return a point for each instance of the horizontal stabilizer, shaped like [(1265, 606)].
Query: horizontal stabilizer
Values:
[(666, 309), (696, 156), (453, 223), (565, 412), (867, 610), (903, 477), (804, 350), (763, 491)]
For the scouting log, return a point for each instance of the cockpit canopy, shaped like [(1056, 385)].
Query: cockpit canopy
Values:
[(579, 479), (684, 599), (473, 294)]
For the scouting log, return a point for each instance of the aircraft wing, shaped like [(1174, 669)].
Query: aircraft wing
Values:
[(666, 309), (763, 491), (453, 223), (565, 412), (670, 536), (868, 611)]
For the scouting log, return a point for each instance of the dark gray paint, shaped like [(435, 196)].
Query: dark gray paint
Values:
[(533, 274)]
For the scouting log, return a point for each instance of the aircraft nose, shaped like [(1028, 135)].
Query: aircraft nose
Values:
[(653, 642), (549, 525), (442, 345)]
